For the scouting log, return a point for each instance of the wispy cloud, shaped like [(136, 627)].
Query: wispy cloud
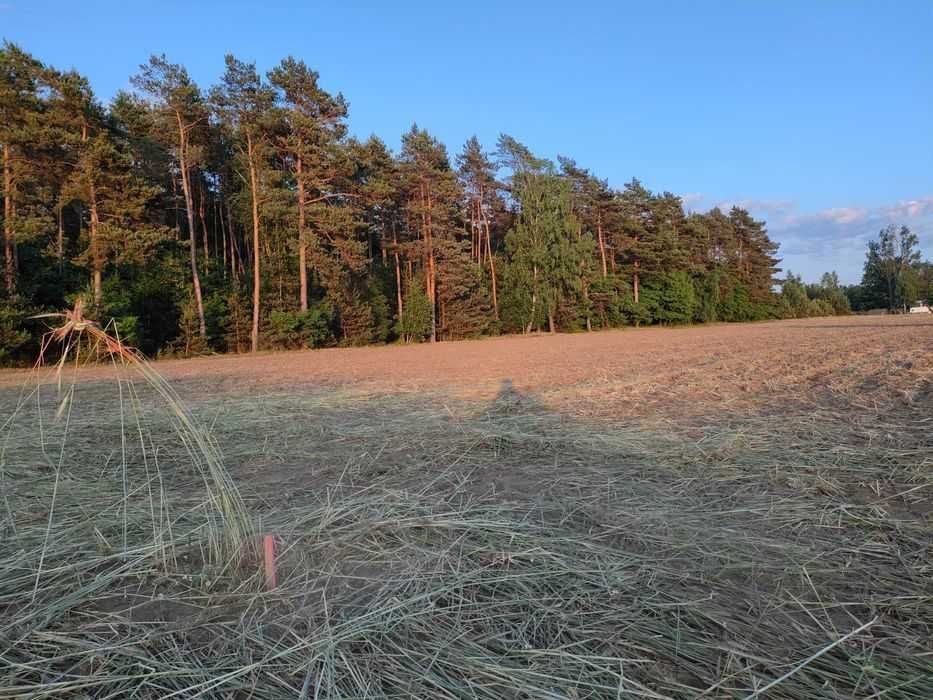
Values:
[(844, 215), (910, 208), (772, 207), (836, 238), (691, 198)]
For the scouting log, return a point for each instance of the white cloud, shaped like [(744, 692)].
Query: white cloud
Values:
[(910, 208), (844, 215), (836, 238), (763, 206), (835, 215), (691, 198)]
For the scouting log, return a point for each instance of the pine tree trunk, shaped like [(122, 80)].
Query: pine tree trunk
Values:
[(254, 192), (602, 244), (534, 298), (475, 242), (96, 262), (177, 228), (302, 244), (431, 274), (9, 265), (492, 268), (219, 218), (60, 241), (15, 249), (635, 283), (192, 232), (234, 248), (398, 275), (201, 214)]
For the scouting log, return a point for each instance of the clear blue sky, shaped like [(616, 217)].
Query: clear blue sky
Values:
[(817, 116)]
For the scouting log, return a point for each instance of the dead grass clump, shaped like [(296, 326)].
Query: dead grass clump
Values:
[(96, 503)]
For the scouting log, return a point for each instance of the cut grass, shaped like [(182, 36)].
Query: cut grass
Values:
[(440, 548)]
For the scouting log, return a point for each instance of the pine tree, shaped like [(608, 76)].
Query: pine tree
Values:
[(244, 103), (179, 103), (477, 174), (431, 193), (638, 245), (263, 179), (753, 253), (595, 207), (312, 142), (102, 180), (377, 184), (21, 109)]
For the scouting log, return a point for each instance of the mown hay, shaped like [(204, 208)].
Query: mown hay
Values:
[(433, 548)]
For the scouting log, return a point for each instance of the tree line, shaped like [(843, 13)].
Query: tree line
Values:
[(244, 216), (895, 276)]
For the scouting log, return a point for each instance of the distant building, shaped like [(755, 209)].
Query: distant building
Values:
[(919, 307)]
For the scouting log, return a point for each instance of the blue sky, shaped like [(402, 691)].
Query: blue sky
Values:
[(816, 116)]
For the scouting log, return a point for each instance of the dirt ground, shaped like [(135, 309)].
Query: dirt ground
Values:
[(612, 374)]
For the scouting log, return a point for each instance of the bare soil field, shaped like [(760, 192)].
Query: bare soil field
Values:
[(733, 511)]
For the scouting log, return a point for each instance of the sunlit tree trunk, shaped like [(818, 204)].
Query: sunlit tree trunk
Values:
[(492, 263), (254, 192), (96, 258), (234, 248), (219, 218), (398, 274), (635, 283), (302, 242), (192, 232), (432, 274), (60, 239), (534, 299), (203, 217), (602, 243), (9, 264)]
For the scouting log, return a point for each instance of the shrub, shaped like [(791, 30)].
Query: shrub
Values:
[(646, 310), (611, 300), (300, 329), (14, 337), (706, 288), (676, 298), (376, 297), (415, 323), (738, 305), (819, 307)]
